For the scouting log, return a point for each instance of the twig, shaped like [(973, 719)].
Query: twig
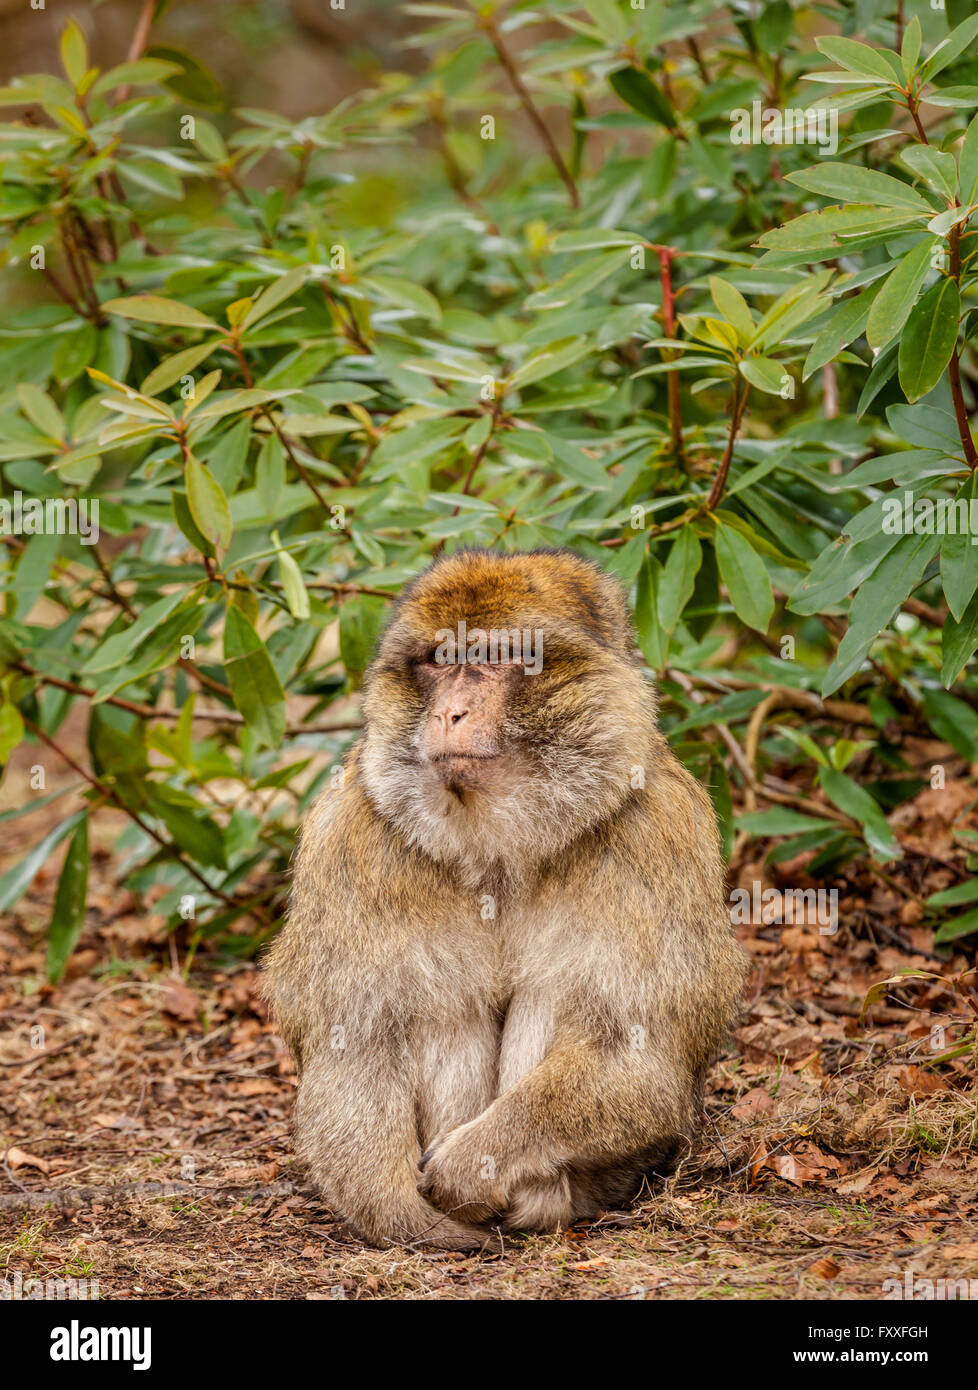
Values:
[(741, 392), (223, 716), (665, 255), (954, 366), (488, 24)]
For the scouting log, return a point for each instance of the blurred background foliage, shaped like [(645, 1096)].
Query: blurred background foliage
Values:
[(305, 296)]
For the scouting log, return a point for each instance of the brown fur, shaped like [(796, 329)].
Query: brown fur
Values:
[(519, 984)]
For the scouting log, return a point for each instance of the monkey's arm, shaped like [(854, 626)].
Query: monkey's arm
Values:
[(585, 1105)]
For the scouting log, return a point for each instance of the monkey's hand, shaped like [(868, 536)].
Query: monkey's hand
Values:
[(463, 1177)]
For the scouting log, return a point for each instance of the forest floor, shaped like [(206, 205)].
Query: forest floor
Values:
[(145, 1121)]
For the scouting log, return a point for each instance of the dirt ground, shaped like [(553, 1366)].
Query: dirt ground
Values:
[(145, 1112)]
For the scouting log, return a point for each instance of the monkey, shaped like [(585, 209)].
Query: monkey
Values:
[(508, 961)]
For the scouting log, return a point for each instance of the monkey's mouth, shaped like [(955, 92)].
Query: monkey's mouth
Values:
[(460, 771)]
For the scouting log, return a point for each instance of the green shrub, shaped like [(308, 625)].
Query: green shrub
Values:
[(558, 289)]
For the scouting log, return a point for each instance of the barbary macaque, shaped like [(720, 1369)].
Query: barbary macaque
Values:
[(508, 960)]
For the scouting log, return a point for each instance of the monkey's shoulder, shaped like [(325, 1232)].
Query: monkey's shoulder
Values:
[(353, 868)]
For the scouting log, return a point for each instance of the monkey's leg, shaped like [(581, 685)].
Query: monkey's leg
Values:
[(357, 1132), (457, 1071), (587, 1105)]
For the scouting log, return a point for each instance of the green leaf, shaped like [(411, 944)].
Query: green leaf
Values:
[(570, 288), (41, 410), (910, 48), (959, 553), (34, 570), (829, 228), (549, 360), (734, 308), (405, 294), (968, 165), (210, 142), (855, 801), (860, 58), (959, 640), (194, 83), (255, 686), (208, 505), (270, 473), (952, 720), (196, 834), (361, 623), (780, 821), (637, 90), (11, 729), (296, 595), (936, 167), (171, 369), (852, 183), (276, 293), (747, 580), (74, 53), (845, 325), (68, 916), (950, 48), (652, 638), (956, 927), (679, 577), (139, 74), (966, 892), (766, 374), (891, 307), (121, 646), (929, 339), (18, 879), (153, 308), (878, 599)]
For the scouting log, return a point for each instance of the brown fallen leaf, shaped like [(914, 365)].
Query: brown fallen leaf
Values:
[(857, 1184), (806, 1163), (960, 1252), (825, 1268), (597, 1263), (180, 1001), (753, 1105), (252, 1173), (254, 1086), (919, 1081), (20, 1158)]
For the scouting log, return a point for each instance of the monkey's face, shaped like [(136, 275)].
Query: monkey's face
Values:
[(463, 735), (505, 711)]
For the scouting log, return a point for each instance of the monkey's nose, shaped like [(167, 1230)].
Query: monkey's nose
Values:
[(456, 717)]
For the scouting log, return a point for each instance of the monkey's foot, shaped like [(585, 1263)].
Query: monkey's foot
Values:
[(458, 1178), (416, 1223), (541, 1206)]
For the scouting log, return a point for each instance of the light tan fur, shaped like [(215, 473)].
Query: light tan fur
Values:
[(516, 986)]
